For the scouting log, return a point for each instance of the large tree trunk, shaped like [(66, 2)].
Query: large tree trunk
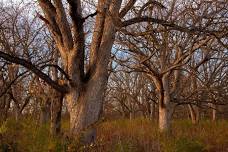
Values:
[(85, 87), (86, 111), (85, 102)]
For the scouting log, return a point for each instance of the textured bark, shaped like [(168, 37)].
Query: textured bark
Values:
[(85, 88), (87, 109), (88, 105)]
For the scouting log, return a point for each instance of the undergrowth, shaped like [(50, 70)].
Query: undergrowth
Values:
[(136, 135)]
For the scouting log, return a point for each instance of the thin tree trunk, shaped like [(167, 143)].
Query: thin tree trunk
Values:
[(194, 109), (165, 115), (214, 112), (152, 110), (193, 114), (4, 108), (45, 113), (164, 107), (17, 114), (56, 111), (56, 102)]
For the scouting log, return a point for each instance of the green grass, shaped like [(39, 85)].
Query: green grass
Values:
[(123, 135)]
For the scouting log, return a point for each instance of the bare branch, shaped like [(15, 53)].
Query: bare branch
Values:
[(166, 24), (90, 15), (58, 68), (35, 70), (129, 5)]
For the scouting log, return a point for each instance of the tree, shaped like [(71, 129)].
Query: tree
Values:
[(18, 38), (23, 36), (131, 94), (162, 52)]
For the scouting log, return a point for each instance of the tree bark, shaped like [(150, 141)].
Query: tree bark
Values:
[(56, 101), (4, 107), (193, 114), (164, 113), (86, 110), (56, 111), (152, 110), (214, 112), (85, 102), (194, 109), (86, 87), (164, 105), (45, 113)]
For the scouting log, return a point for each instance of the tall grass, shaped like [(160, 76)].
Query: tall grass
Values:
[(138, 135), (143, 135), (26, 136)]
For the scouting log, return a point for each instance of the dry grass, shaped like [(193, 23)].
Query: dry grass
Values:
[(142, 135), (138, 135)]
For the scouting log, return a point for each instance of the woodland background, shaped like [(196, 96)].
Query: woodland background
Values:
[(114, 75)]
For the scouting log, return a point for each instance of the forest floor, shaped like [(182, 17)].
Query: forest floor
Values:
[(138, 135)]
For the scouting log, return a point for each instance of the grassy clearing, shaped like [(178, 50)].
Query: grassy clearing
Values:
[(136, 135)]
